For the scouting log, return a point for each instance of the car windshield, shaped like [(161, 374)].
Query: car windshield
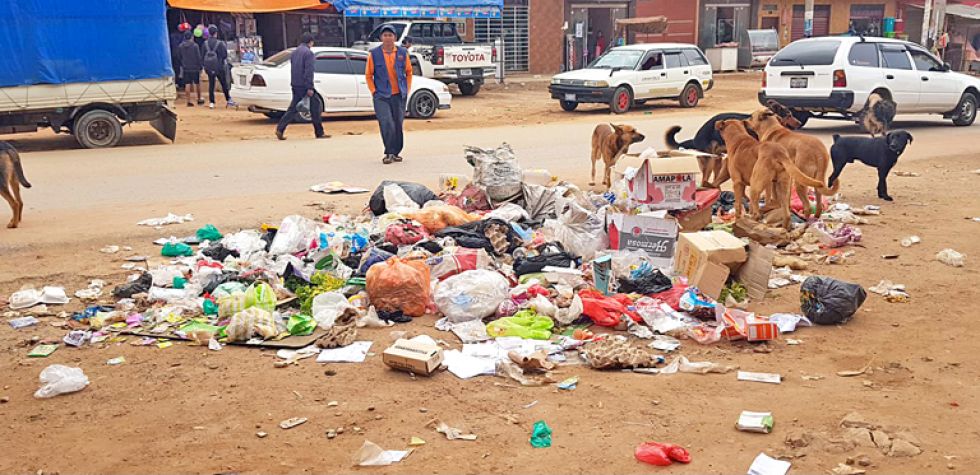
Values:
[(807, 53), (278, 58), (623, 59), (375, 36)]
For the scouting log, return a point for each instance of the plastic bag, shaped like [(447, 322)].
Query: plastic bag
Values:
[(497, 171), (372, 257), (951, 257), (471, 295), (327, 306), (60, 379), (606, 311), (459, 260), (294, 235), (244, 242), (229, 305), (405, 232), (540, 435), (564, 315), (661, 454), (251, 322), (509, 212), (651, 281), (261, 295), (399, 285), (827, 301), (435, 218), (176, 249), (397, 200), (208, 233), (525, 324), (416, 192), (580, 231), (549, 254), (471, 198)]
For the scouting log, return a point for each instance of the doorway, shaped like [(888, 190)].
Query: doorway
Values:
[(591, 31)]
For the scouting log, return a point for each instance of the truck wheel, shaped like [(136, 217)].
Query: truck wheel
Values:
[(802, 117), (568, 106), (689, 96), (423, 105), (622, 100), (97, 128), (469, 88), (966, 111)]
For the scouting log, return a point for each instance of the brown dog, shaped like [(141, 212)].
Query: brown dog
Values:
[(762, 166), (808, 153), (609, 142), (11, 179)]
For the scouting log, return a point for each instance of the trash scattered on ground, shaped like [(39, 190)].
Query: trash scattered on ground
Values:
[(292, 422), (170, 218), (540, 435), (894, 293), (356, 352), (112, 249), (59, 379), (372, 455), (42, 351), (413, 356), (662, 454), (828, 301), (759, 377), (30, 297), (910, 241), (845, 469), (906, 174), (116, 361), (766, 465), (749, 421), (568, 384), (332, 187), (23, 322), (416, 442), (951, 258), (451, 433)]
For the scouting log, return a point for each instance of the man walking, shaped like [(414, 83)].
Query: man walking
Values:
[(301, 67), (214, 54), (389, 77), (190, 64)]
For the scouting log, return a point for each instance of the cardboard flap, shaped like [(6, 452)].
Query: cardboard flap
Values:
[(754, 274), (712, 279)]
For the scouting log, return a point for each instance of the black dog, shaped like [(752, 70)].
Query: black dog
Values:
[(880, 152), (707, 139)]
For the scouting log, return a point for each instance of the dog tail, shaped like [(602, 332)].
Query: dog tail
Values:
[(18, 169), (670, 139), (805, 180)]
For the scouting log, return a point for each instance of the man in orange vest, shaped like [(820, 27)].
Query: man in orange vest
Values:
[(389, 77)]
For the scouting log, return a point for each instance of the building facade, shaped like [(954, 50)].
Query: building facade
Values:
[(830, 17)]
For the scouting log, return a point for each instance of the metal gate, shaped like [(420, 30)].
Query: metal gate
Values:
[(821, 21), (513, 27)]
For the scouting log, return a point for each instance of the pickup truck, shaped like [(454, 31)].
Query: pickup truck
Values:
[(78, 82), (439, 53)]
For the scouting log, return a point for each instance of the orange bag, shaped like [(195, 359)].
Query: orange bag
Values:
[(435, 218), (399, 285)]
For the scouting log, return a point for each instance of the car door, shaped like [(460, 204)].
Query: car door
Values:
[(332, 78), (650, 76), (940, 89), (358, 65), (900, 78), (678, 71), (863, 70)]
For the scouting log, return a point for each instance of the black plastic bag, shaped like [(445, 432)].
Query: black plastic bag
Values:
[(418, 193), (138, 286), (478, 235), (218, 252), (827, 301), (549, 254), (649, 283)]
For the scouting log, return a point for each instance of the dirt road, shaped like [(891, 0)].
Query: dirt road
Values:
[(187, 410)]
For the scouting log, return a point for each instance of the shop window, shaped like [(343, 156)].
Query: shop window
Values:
[(725, 25), (866, 20)]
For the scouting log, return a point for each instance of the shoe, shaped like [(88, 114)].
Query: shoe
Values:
[(387, 160), (323, 136), (200, 102), (231, 104), (211, 106), (190, 104), (279, 135), (397, 158)]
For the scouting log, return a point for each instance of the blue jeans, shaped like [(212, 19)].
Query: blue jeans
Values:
[(391, 114), (316, 111)]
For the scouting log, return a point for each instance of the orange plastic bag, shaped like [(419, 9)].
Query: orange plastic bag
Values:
[(435, 218), (399, 285)]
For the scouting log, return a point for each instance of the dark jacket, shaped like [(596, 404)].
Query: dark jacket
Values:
[(301, 67), (190, 56), (218, 47)]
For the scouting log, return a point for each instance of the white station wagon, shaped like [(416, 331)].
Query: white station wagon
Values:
[(634, 74)]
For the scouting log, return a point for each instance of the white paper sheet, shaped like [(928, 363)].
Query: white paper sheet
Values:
[(354, 353), (766, 465)]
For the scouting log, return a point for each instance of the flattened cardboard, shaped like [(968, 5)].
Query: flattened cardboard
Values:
[(657, 236), (413, 357), (666, 183), (754, 273)]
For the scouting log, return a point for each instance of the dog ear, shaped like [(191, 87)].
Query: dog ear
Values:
[(909, 135)]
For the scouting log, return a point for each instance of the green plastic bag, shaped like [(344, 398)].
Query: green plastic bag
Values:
[(210, 307), (176, 249), (179, 282), (195, 325), (525, 324), (228, 288), (260, 295), (208, 233), (300, 324), (541, 435)]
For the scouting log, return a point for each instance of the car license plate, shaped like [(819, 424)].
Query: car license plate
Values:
[(465, 72), (569, 97), (797, 83)]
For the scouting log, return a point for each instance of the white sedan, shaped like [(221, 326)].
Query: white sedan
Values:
[(338, 80)]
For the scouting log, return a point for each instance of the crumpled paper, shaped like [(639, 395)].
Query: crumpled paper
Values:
[(170, 218)]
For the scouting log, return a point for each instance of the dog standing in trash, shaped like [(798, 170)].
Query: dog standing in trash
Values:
[(879, 152), (11, 179), (609, 142)]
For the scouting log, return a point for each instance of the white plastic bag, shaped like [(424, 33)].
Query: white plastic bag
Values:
[(580, 231), (327, 307), (31, 297), (396, 200), (497, 171), (245, 242), (471, 295), (60, 379), (294, 235), (564, 316), (508, 212)]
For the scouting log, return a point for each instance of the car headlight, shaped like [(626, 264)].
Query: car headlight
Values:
[(595, 84), (555, 81)]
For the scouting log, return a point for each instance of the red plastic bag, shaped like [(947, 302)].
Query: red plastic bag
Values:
[(399, 285), (671, 297), (661, 454), (604, 310), (796, 204)]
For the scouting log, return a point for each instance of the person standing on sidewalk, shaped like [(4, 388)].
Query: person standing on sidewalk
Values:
[(190, 65), (301, 68), (389, 77), (214, 54)]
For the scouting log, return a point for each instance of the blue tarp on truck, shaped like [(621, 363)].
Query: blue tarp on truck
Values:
[(68, 41), (420, 8)]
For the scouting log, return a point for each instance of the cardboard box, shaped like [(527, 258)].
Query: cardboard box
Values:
[(757, 329), (666, 183), (413, 357), (706, 258), (754, 274), (655, 235), (696, 219)]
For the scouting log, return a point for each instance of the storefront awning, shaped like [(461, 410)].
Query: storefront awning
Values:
[(964, 11), (653, 25), (420, 8), (247, 6)]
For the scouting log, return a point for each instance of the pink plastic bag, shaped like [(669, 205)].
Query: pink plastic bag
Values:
[(661, 454)]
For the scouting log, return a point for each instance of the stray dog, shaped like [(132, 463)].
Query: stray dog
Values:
[(762, 166), (609, 142), (877, 115), (11, 179), (881, 153), (709, 140), (808, 154)]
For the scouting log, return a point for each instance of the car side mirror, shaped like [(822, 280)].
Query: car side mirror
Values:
[(947, 67)]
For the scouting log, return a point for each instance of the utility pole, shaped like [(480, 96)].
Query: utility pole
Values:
[(808, 19), (926, 22)]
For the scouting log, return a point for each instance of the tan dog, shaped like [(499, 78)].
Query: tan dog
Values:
[(808, 153), (11, 179), (762, 166), (609, 142)]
